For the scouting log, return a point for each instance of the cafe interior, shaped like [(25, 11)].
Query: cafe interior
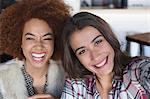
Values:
[(129, 20)]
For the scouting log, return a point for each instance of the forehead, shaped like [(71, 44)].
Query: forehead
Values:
[(36, 26), (85, 33), (84, 36)]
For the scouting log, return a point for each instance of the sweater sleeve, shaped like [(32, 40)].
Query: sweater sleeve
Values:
[(1, 90)]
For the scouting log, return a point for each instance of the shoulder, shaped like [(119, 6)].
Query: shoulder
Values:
[(86, 82), (78, 88), (138, 62), (56, 77), (137, 65), (56, 65), (8, 67), (138, 71), (11, 78), (55, 69)]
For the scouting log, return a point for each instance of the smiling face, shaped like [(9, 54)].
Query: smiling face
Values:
[(37, 43), (93, 51)]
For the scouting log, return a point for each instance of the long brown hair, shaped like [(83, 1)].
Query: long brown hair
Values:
[(71, 63)]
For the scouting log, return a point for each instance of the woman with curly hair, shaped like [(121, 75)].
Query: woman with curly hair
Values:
[(28, 32)]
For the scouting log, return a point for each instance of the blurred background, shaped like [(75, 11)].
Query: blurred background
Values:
[(129, 19), (126, 18)]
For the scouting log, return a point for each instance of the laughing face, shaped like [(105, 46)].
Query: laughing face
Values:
[(93, 51), (37, 43)]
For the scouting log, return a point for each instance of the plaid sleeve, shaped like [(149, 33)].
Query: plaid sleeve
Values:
[(74, 89), (144, 74), (140, 71), (77, 89), (68, 91), (136, 78)]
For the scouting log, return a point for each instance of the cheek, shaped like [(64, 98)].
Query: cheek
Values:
[(50, 47), (26, 48), (111, 51), (84, 60), (108, 47), (26, 44)]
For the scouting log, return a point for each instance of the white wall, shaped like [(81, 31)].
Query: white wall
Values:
[(125, 22), (74, 4)]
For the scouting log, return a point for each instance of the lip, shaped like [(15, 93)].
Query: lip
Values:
[(101, 63), (38, 58), (38, 53)]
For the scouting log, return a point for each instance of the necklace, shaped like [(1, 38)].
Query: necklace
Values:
[(29, 83), (41, 88)]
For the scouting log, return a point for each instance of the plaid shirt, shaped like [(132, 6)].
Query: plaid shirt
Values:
[(135, 84)]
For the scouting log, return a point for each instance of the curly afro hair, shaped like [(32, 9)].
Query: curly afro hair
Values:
[(13, 18)]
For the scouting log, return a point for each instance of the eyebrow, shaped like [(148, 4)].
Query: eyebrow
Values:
[(51, 34), (78, 49), (91, 42), (96, 38), (29, 34), (43, 35)]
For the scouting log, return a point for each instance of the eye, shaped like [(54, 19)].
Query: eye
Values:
[(29, 38), (82, 52), (97, 42), (48, 36), (48, 39)]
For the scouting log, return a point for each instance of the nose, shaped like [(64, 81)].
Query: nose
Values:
[(93, 53), (39, 45)]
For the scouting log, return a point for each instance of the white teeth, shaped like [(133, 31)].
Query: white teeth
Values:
[(38, 55), (37, 59), (101, 63)]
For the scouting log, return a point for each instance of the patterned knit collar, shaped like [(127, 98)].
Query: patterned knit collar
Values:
[(29, 83)]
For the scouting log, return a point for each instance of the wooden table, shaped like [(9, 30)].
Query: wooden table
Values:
[(142, 39)]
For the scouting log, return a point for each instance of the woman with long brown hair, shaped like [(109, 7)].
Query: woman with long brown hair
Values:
[(96, 66)]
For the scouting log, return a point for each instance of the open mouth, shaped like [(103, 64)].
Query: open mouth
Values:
[(102, 63), (38, 57)]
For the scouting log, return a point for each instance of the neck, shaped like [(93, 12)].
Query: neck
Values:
[(104, 83), (36, 72)]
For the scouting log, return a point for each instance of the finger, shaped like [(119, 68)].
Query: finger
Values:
[(45, 96)]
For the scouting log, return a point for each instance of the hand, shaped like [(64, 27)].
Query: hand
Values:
[(41, 96)]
